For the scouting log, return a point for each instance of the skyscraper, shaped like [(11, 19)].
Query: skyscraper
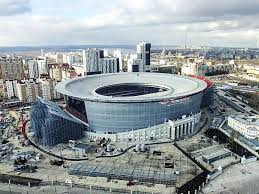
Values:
[(143, 53), (140, 62), (117, 53)]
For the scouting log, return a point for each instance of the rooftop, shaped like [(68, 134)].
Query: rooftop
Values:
[(252, 120), (143, 86)]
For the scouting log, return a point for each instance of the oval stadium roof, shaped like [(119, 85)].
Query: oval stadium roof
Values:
[(84, 88)]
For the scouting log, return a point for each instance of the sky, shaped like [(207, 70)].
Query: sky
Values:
[(229, 23)]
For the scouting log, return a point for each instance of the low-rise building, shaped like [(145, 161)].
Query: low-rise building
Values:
[(247, 126), (206, 69), (61, 72)]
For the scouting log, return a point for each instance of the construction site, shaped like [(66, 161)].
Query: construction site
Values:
[(153, 167), (101, 165)]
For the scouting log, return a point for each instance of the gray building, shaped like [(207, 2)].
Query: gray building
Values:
[(42, 65), (33, 68), (109, 65), (143, 53), (94, 62), (114, 103)]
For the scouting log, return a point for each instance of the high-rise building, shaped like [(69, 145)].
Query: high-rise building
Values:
[(47, 89), (143, 53), (27, 90), (91, 60), (22, 93), (94, 62), (109, 65), (133, 63), (33, 68), (32, 90), (2, 92), (71, 59), (140, 62), (55, 71), (118, 54), (9, 89), (42, 65)]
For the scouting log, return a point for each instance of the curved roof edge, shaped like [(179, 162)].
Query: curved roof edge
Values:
[(66, 87)]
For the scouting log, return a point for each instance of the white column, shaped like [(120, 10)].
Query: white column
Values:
[(192, 127), (187, 128), (176, 132), (181, 130), (172, 133)]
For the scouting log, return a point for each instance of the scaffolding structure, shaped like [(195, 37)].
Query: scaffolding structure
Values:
[(51, 125), (135, 172)]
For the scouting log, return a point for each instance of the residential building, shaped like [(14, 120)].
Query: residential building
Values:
[(42, 65), (55, 57), (2, 93), (10, 88), (206, 69), (22, 92), (47, 89), (68, 73), (55, 71), (33, 68), (28, 90), (61, 72), (94, 62), (32, 90), (91, 60), (109, 65), (79, 69), (11, 68)]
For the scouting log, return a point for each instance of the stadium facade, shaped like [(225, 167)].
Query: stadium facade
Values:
[(123, 107), (51, 125)]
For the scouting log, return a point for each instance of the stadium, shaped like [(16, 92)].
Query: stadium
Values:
[(116, 103)]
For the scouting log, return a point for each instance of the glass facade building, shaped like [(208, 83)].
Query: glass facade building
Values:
[(51, 125), (115, 103), (120, 117)]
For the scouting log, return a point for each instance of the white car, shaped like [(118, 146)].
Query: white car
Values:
[(69, 181)]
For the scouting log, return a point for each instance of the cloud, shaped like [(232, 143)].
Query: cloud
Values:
[(14, 7), (131, 21), (170, 12)]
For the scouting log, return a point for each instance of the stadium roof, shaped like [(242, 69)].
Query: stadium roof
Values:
[(172, 86)]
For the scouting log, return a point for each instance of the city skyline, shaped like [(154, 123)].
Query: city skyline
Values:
[(220, 23)]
